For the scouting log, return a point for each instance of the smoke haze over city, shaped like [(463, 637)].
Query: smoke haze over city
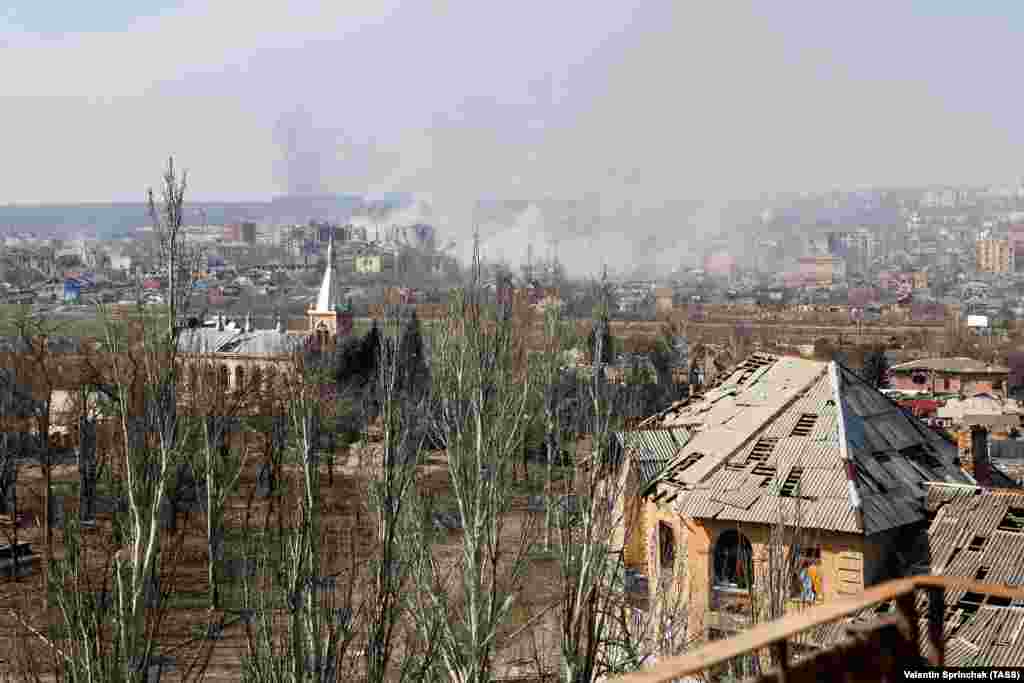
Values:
[(665, 112)]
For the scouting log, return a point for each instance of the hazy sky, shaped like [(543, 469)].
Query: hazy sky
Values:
[(452, 99)]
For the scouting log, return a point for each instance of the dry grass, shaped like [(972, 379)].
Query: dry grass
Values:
[(342, 504)]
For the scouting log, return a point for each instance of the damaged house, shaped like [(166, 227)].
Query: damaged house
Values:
[(779, 443), (975, 534)]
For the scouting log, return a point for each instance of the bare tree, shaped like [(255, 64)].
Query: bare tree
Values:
[(555, 337), (398, 513), (481, 415), (32, 383)]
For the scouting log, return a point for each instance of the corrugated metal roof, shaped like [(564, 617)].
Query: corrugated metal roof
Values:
[(205, 339), (263, 343), (740, 498), (795, 402), (963, 538)]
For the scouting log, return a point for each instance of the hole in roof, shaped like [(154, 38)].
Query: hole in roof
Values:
[(981, 574), (763, 449), (1013, 521), (689, 461), (977, 543), (791, 487), (804, 425)]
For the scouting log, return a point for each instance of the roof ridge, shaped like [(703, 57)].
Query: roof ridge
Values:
[(752, 436), (835, 369)]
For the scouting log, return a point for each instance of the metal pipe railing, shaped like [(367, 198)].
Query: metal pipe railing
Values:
[(775, 635)]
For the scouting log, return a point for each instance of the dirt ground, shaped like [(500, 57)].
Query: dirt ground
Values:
[(188, 612)]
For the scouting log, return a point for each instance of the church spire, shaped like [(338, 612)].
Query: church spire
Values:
[(327, 301)]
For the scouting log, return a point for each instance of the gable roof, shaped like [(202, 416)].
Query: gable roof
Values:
[(258, 342), (777, 436)]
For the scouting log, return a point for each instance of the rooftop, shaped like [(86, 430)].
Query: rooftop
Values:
[(959, 364), (258, 342), (779, 434)]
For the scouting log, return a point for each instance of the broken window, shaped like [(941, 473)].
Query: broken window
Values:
[(804, 425), (667, 547), (1013, 521), (733, 561), (791, 487)]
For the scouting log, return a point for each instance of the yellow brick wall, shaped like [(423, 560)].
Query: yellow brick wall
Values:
[(842, 563)]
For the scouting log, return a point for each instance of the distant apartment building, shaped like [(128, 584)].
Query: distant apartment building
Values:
[(821, 271), (1016, 239), (862, 248), (920, 279), (249, 232), (994, 256)]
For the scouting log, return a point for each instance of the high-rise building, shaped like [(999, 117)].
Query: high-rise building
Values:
[(1016, 239), (249, 232), (994, 256)]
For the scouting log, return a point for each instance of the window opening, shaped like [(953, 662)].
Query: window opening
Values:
[(733, 561), (666, 546)]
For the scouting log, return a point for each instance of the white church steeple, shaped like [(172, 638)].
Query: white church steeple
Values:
[(329, 298)]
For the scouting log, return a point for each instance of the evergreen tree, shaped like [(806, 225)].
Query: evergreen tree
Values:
[(370, 351), (413, 363)]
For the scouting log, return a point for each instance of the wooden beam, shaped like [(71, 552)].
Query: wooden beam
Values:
[(767, 634)]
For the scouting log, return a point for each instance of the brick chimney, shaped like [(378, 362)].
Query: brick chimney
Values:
[(980, 456)]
